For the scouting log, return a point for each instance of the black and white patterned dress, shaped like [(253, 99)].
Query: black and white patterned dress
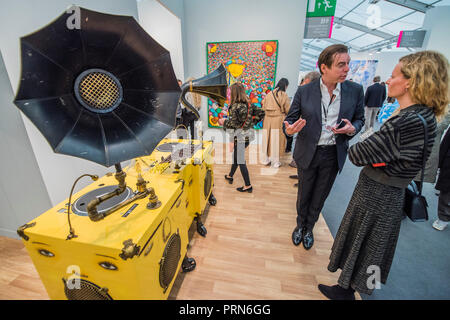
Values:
[(368, 234)]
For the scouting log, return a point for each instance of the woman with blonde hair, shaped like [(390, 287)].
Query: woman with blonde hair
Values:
[(367, 237), (276, 106)]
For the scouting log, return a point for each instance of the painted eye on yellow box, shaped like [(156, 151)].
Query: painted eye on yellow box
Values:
[(46, 253), (108, 266)]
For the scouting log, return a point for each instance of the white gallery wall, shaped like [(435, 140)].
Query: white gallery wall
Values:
[(165, 27), (23, 194), (177, 8)]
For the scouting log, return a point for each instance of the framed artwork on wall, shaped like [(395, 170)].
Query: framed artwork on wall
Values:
[(253, 63), (362, 72)]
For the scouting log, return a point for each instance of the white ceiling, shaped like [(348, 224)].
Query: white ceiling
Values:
[(393, 19)]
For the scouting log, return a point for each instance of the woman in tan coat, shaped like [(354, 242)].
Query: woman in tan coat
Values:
[(276, 105)]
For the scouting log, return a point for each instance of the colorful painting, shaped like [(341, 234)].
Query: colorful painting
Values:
[(362, 72), (253, 63)]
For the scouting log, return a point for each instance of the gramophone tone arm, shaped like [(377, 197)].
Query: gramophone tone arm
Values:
[(92, 206), (185, 88), (100, 216)]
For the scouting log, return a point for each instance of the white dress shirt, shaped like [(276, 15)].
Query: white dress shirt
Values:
[(330, 113)]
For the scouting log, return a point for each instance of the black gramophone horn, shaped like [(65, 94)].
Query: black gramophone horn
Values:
[(105, 91), (213, 85)]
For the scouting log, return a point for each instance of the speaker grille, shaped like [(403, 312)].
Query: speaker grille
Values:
[(169, 261), (98, 90), (86, 291)]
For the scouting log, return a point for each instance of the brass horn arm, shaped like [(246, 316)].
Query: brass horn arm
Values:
[(213, 86), (185, 88), (93, 214)]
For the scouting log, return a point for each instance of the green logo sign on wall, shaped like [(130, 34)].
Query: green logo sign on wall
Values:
[(321, 8)]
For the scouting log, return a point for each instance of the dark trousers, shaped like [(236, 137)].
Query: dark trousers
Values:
[(289, 143), (239, 160), (444, 206), (191, 126), (314, 185)]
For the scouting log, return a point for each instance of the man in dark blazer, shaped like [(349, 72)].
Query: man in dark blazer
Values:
[(373, 100), (326, 113), (443, 184)]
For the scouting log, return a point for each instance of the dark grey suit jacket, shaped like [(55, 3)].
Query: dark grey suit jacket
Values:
[(375, 96), (307, 104)]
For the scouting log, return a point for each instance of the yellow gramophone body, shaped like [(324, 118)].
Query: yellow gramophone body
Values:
[(136, 251)]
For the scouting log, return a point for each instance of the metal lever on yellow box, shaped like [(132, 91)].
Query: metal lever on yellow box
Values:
[(94, 215), (71, 234)]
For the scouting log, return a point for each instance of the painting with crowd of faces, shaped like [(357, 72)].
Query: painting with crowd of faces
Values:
[(252, 63)]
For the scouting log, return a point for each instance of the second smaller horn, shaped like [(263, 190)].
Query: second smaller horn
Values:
[(213, 85)]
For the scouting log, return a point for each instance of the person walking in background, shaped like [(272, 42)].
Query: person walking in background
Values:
[(326, 113), (373, 100), (443, 184), (240, 125), (276, 106), (188, 116), (309, 77), (432, 164), (179, 117), (392, 156)]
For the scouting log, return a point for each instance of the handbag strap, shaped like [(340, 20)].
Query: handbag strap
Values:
[(273, 93), (424, 158)]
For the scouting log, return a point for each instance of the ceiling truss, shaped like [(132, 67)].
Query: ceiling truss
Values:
[(388, 41)]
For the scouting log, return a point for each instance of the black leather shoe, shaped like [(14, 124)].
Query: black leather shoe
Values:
[(241, 189), (308, 239), (337, 293), (230, 180), (297, 236)]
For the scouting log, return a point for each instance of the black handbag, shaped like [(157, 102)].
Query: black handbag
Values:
[(416, 205)]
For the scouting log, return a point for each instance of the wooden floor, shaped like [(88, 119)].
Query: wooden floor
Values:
[(247, 253)]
